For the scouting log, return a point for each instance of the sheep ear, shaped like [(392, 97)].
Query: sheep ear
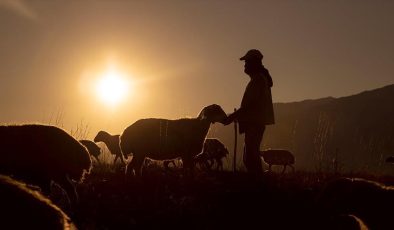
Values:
[(203, 115)]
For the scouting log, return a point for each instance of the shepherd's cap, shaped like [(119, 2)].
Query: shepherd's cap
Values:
[(252, 54)]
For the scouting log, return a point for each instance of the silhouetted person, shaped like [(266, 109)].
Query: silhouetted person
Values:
[(256, 110)]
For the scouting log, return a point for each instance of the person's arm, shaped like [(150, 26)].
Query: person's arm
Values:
[(252, 93), (232, 117)]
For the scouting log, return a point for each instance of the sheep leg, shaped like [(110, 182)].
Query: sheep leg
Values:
[(292, 168), (116, 157), (122, 159), (203, 165), (135, 165), (96, 157), (219, 165), (188, 165), (166, 165), (211, 162), (173, 163), (58, 196), (269, 167), (69, 187), (284, 169)]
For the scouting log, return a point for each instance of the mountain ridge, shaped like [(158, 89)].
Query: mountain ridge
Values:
[(350, 133)]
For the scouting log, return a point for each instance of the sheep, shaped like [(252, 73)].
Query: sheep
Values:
[(213, 150), (92, 147), (368, 200), (390, 159), (112, 143), (162, 139), (347, 222), (165, 163), (278, 157), (39, 154), (24, 208)]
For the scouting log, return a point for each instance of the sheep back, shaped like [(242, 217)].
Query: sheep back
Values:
[(111, 141), (162, 139), (366, 199), (213, 149), (92, 147), (23, 208), (278, 157), (41, 151)]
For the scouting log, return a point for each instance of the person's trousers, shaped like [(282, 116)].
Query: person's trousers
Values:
[(251, 157)]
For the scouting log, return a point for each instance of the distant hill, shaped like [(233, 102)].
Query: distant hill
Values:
[(353, 133)]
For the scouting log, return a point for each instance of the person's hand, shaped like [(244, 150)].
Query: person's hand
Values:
[(228, 120)]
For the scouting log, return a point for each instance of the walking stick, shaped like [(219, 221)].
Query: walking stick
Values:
[(235, 144)]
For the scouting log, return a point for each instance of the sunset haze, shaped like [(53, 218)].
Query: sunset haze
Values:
[(179, 56)]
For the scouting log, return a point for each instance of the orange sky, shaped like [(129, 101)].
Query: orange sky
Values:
[(183, 55)]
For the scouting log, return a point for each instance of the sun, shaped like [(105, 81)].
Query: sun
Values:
[(112, 87)]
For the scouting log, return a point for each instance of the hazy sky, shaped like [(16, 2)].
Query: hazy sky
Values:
[(182, 55)]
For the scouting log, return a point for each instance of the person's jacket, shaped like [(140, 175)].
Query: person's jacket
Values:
[(256, 106)]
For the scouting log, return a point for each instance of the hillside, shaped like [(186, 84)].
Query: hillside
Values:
[(353, 133)]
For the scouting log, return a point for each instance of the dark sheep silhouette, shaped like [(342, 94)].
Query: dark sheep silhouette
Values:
[(345, 222), (370, 201), (390, 159), (39, 154), (278, 157), (213, 151), (112, 143), (162, 139), (92, 147), (24, 208)]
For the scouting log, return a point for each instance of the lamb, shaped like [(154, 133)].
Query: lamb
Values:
[(390, 159), (24, 208), (39, 154), (162, 139), (213, 151), (112, 143), (278, 157), (368, 200), (92, 147), (165, 163)]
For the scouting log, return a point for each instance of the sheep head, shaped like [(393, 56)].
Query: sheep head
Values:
[(101, 136), (212, 113)]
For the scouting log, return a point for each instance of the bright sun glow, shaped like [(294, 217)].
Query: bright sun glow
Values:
[(112, 88)]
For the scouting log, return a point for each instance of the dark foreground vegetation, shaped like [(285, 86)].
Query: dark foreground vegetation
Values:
[(215, 200)]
